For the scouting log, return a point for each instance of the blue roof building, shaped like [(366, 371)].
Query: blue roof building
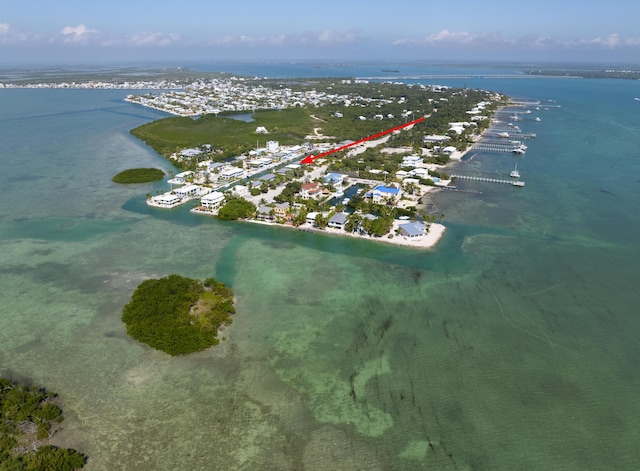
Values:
[(413, 229), (381, 194)]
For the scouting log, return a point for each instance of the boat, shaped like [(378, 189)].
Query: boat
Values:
[(503, 134), (514, 173), (517, 183), (521, 149), (538, 118)]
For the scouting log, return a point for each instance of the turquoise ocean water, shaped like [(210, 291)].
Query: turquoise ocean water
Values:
[(512, 345)]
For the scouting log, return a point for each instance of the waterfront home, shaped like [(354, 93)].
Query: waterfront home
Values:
[(265, 213), (272, 146), (212, 200), (267, 177), (412, 230), (311, 217), (282, 210), (166, 200), (310, 190), (261, 162), (180, 178), (338, 220), (231, 173), (382, 194), (188, 191), (334, 178)]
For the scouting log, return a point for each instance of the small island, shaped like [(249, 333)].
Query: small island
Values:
[(178, 315), (28, 419), (139, 175)]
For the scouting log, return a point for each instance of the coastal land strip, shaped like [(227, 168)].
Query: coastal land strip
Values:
[(242, 139)]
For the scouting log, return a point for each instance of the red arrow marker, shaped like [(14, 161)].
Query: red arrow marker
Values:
[(310, 158)]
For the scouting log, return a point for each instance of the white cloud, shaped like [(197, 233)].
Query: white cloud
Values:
[(464, 39), (456, 38), (154, 39), (322, 38), (611, 41), (77, 34), (79, 30), (4, 29)]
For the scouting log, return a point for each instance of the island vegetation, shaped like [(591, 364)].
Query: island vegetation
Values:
[(178, 315), (28, 418), (139, 175)]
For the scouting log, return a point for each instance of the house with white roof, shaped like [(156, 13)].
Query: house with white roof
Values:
[(262, 162), (334, 178), (419, 172), (231, 173), (273, 146), (239, 190), (411, 161), (180, 178), (188, 191), (212, 200), (167, 200)]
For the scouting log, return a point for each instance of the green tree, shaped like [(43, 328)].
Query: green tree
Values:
[(237, 208), (321, 221)]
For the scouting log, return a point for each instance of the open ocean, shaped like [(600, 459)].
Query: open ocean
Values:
[(514, 344)]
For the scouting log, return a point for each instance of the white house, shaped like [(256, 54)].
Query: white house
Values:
[(419, 172), (232, 172), (166, 200), (187, 191), (212, 200), (311, 217), (180, 178), (273, 146), (262, 162), (411, 161)]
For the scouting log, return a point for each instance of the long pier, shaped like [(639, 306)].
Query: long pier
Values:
[(489, 180)]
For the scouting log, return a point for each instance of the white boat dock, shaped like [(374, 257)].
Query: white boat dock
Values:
[(489, 180)]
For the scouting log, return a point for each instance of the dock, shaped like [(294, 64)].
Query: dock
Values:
[(490, 180)]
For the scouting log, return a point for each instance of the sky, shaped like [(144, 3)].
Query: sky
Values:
[(84, 31)]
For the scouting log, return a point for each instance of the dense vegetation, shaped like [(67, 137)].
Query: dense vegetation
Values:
[(178, 315), (26, 417), (229, 137), (236, 208), (139, 175)]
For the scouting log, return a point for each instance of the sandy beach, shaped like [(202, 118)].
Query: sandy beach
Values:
[(427, 241)]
